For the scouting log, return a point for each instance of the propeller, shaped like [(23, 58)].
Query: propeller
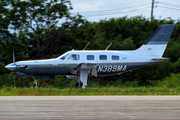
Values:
[(13, 57), (14, 69)]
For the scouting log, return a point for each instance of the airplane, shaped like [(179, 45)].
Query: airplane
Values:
[(79, 64)]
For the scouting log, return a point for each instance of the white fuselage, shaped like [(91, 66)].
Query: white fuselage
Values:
[(107, 62)]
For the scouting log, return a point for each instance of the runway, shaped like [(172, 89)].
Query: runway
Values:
[(90, 108)]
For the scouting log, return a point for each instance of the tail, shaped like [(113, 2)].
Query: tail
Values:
[(157, 42)]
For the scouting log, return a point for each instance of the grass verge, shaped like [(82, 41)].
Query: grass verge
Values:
[(9, 91)]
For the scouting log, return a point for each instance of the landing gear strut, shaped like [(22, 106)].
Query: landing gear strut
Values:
[(82, 78), (35, 84)]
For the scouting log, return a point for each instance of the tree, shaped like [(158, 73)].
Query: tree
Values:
[(8, 40), (41, 18)]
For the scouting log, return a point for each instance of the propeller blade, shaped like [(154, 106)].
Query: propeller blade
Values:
[(13, 57), (14, 70)]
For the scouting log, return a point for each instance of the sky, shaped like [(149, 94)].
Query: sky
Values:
[(96, 10)]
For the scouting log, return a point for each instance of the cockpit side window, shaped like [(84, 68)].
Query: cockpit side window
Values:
[(64, 56), (74, 57)]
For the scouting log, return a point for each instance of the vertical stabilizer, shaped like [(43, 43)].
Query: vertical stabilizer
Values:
[(157, 42)]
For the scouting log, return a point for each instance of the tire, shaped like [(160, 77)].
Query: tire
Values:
[(77, 85)]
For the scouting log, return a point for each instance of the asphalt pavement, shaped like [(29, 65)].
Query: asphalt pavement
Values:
[(90, 107)]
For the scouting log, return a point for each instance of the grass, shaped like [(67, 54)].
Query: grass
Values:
[(10, 91)]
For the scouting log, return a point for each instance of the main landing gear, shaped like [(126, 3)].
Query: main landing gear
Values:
[(79, 84), (82, 78), (35, 84), (81, 72)]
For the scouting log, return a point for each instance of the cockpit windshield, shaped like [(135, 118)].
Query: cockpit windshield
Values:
[(62, 57)]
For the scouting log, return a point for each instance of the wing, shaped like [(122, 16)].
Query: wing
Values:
[(85, 68)]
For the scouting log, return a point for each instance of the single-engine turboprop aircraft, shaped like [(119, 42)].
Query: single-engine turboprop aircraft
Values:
[(81, 64)]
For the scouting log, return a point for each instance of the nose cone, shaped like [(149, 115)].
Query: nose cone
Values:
[(11, 66)]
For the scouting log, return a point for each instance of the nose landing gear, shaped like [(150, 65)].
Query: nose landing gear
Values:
[(35, 84)]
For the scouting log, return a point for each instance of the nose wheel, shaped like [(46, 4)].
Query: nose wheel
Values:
[(35, 84)]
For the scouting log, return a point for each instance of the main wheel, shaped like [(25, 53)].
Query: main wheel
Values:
[(35, 84), (79, 85)]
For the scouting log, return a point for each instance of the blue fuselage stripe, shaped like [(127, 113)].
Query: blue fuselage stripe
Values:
[(102, 69)]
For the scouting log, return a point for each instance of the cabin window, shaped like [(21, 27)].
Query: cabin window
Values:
[(115, 57), (103, 57), (74, 57), (64, 56), (90, 57)]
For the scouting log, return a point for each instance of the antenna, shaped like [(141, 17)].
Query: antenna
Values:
[(86, 46), (108, 46)]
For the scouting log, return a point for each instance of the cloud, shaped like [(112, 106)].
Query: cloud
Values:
[(87, 6), (108, 6)]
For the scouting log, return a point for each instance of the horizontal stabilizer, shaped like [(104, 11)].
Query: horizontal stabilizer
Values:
[(161, 59)]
